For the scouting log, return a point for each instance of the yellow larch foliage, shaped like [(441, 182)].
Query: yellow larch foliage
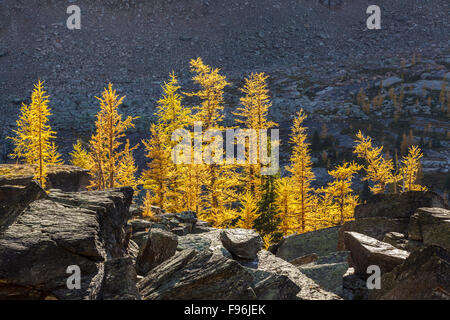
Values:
[(211, 94), (217, 190), (338, 194), (302, 174), (378, 169), (164, 178), (105, 153), (147, 211), (253, 115), (410, 169), (248, 212), (284, 202), (32, 141), (155, 178), (54, 158), (126, 172), (79, 156)]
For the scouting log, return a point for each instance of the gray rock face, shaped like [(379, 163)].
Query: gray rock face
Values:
[(402, 205), (424, 275), (431, 226), (242, 243), (197, 275), (120, 280), (83, 228), (367, 251), (375, 227), (160, 246), (328, 271), (321, 242), (14, 199), (309, 290)]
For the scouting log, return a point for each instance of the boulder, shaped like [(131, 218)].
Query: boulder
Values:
[(424, 275), (15, 198), (160, 246), (401, 205), (309, 289), (242, 243), (367, 251), (204, 241), (82, 228), (197, 275), (375, 227), (64, 177), (431, 226), (328, 271), (320, 242)]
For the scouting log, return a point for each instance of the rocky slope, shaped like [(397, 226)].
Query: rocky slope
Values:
[(318, 54)]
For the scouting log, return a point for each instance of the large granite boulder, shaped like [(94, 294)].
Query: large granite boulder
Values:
[(160, 246), (242, 243), (320, 242), (401, 205), (63, 177), (367, 251), (375, 227), (431, 226), (85, 229), (424, 275), (309, 289), (197, 275)]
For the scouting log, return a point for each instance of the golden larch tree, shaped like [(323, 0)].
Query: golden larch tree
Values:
[(79, 156), (105, 152), (33, 138), (248, 212), (339, 198), (253, 115), (285, 201), (378, 169), (410, 170), (301, 169), (218, 182)]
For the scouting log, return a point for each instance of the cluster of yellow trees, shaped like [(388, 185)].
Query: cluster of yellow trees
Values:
[(225, 195)]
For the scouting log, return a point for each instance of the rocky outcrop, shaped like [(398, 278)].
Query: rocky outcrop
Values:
[(402, 205), (85, 229), (384, 213), (367, 251), (203, 257), (431, 226), (15, 198), (63, 177), (320, 242), (375, 227), (160, 246), (309, 289), (197, 275), (425, 275), (244, 244)]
